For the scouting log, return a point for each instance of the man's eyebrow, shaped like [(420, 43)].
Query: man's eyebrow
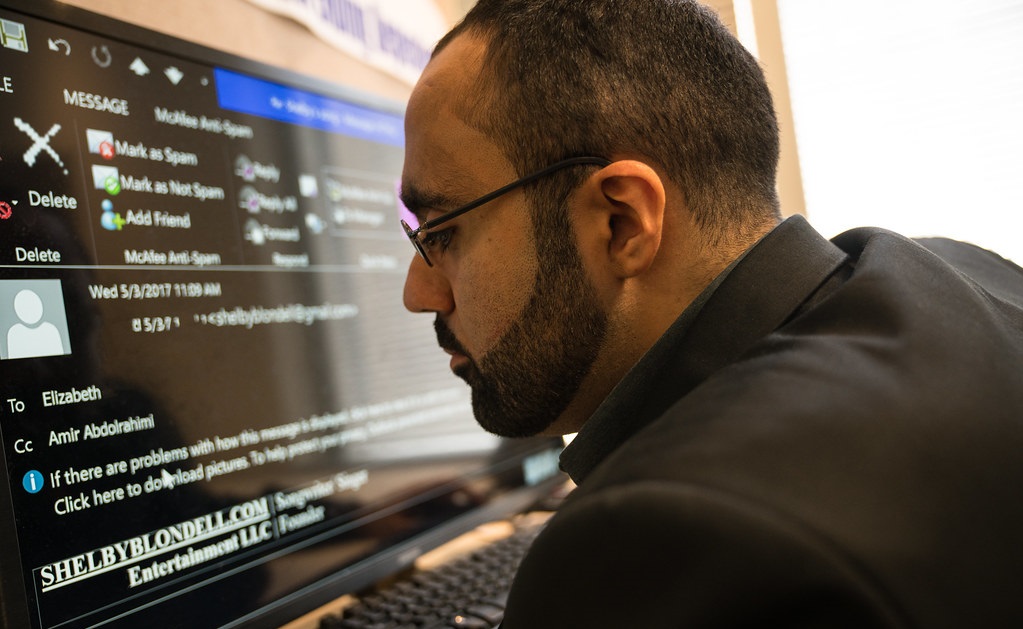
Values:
[(419, 201)]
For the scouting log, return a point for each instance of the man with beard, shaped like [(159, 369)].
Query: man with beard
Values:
[(774, 429)]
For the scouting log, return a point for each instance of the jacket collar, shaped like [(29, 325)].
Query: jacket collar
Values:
[(751, 299)]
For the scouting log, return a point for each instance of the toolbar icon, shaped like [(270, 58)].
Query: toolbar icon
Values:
[(40, 143), (173, 74), (254, 232), (244, 168), (139, 67), (107, 178), (248, 199), (101, 55), (308, 186), (315, 224), (58, 45), (110, 220), (12, 35), (101, 143)]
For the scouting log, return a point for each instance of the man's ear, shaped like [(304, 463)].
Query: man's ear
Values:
[(625, 213)]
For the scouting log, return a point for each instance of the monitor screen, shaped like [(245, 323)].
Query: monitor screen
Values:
[(215, 410)]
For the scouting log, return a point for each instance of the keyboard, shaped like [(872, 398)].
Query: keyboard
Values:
[(467, 592)]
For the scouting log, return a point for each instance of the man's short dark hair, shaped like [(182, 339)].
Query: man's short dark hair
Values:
[(657, 79)]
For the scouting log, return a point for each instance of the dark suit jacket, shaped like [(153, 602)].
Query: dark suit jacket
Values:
[(832, 436)]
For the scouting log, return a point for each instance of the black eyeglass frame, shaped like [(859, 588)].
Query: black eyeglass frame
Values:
[(414, 234)]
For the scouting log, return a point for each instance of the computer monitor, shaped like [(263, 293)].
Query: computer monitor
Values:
[(215, 410)]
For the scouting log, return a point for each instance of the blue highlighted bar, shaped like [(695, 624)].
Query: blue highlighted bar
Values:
[(249, 95)]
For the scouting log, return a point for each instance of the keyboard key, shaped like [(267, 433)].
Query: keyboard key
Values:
[(490, 613), (499, 598)]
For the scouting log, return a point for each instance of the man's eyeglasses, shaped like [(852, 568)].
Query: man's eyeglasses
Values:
[(416, 235)]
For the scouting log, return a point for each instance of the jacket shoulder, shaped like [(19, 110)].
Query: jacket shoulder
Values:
[(673, 555)]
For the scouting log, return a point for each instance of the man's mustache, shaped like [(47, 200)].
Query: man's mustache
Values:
[(446, 338)]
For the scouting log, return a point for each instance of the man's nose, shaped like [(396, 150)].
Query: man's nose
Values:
[(427, 289)]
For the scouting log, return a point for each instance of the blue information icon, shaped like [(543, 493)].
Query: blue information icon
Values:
[(33, 481)]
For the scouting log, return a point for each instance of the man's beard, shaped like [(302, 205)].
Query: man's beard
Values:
[(526, 381)]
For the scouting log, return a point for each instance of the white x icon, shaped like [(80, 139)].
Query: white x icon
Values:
[(40, 143)]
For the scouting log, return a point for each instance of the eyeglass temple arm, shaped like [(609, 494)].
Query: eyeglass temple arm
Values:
[(487, 198)]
